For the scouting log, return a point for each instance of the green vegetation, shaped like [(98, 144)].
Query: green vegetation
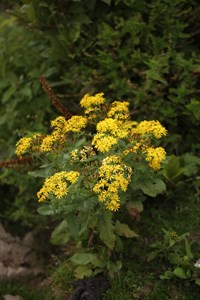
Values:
[(26, 293), (143, 52)]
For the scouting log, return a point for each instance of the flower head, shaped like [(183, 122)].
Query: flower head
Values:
[(103, 142), (113, 127), (119, 110), (114, 176), (57, 185), (150, 127), (92, 101), (155, 156), (23, 145)]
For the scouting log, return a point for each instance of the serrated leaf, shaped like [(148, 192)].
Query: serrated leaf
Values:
[(124, 230), (45, 210), (82, 258), (153, 188), (106, 230)]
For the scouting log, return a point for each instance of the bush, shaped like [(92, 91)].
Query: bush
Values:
[(146, 52)]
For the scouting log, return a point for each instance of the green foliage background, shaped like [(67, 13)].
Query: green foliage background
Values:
[(143, 51), (146, 52)]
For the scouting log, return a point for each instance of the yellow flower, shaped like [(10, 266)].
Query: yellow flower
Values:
[(103, 142), (59, 123), (114, 204), (150, 127), (155, 156), (23, 145), (74, 154), (57, 185), (75, 124), (47, 143), (111, 159), (92, 101), (119, 110), (112, 126), (114, 176)]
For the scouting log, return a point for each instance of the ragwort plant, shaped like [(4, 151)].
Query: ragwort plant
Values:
[(94, 165)]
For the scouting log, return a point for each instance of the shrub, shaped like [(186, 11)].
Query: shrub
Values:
[(95, 165)]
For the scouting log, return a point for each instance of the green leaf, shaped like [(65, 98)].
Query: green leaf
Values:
[(98, 261), (188, 249), (174, 258), (191, 164), (40, 173), (45, 210), (153, 254), (197, 281), (83, 271), (107, 1), (194, 108), (82, 258), (8, 94), (73, 225), (106, 230), (180, 273), (124, 230), (60, 235), (167, 275), (172, 169), (153, 188)]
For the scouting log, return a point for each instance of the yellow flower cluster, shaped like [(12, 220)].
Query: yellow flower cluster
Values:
[(74, 124), (57, 185), (114, 176), (155, 156), (48, 142), (112, 126), (23, 145), (91, 101), (103, 142), (150, 127), (119, 110), (61, 128), (59, 123), (92, 104), (108, 132)]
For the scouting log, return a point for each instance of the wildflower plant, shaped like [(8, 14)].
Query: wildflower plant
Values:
[(94, 165)]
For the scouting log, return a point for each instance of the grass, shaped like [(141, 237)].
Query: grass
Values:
[(26, 293)]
